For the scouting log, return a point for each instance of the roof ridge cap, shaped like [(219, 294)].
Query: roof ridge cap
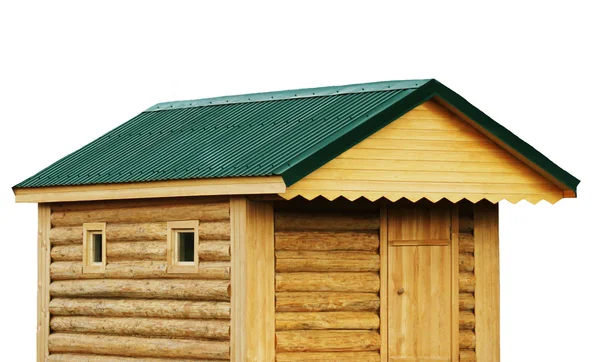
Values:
[(292, 94)]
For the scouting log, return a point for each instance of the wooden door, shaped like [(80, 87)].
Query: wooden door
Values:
[(420, 273)]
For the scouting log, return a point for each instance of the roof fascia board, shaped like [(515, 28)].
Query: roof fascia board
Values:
[(142, 190), (508, 140)]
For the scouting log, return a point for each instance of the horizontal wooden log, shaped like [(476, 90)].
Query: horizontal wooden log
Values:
[(466, 320), (308, 221), (328, 356), (218, 230), (318, 261), (468, 355), (326, 320), (466, 339), (149, 327), (73, 252), (327, 341), (96, 358), (137, 346), (142, 250), (123, 203), (327, 282), (217, 290), (139, 308), (66, 235), (466, 262), (139, 250), (133, 214), (67, 270), (466, 301), (326, 240), (326, 302), (214, 250), (136, 232), (466, 282), (114, 232), (466, 243)]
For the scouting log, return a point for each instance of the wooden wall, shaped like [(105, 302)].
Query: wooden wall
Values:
[(327, 281), (467, 282), (135, 309), (428, 152)]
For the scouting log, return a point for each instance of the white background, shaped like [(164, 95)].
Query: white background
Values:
[(70, 72)]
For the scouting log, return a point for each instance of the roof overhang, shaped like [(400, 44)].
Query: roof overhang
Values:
[(142, 190)]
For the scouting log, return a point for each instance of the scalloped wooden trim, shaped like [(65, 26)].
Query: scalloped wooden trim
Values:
[(551, 198)]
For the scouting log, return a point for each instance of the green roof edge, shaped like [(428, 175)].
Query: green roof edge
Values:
[(292, 93), (362, 128)]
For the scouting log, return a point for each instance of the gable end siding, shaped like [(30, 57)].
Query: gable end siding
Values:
[(429, 152)]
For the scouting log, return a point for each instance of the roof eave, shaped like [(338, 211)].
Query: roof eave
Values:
[(259, 185)]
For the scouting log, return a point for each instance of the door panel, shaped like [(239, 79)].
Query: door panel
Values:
[(420, 286), (419, 226)]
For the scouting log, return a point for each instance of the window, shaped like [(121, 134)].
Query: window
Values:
[(182, 250), (94, 247)]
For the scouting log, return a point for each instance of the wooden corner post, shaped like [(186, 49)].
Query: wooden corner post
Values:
[(487, 285), (383, 277), (252, 280), (43, 289)]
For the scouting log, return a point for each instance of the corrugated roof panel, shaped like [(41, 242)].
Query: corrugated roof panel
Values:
[(248, 138)]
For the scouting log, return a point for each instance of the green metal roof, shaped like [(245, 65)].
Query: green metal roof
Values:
[(287, 133)]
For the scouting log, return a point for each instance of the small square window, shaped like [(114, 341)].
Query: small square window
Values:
[(182, 251), (94, 247)]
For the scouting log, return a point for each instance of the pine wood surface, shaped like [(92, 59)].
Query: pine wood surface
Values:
[(135, 309), (138, 346), (327, 283), (487, 287), (428, 152), (183, 309)]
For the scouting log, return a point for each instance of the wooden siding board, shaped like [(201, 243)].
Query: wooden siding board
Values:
[(383, 272), (487, 287), (429, 152), (43, 292), (253, 263)]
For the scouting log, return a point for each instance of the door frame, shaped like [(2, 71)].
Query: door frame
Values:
[(383, 273)]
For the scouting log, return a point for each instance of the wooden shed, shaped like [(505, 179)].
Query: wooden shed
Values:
[(350, 223)]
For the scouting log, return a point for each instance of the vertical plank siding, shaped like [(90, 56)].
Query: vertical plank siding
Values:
[(327, 282), (43, 292), (253, 297), (134, 308)]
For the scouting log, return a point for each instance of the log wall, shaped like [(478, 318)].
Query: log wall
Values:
[(466, 263), (327, 282), (135, 309)]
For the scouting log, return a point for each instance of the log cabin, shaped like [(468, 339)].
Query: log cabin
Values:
[(345, 223)]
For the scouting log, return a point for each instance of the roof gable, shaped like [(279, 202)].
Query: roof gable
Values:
[(289, 133), (430, 153)]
